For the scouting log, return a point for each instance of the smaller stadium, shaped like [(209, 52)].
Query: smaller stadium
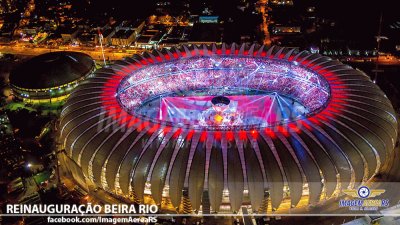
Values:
[(50, 77)]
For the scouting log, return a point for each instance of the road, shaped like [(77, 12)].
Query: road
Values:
[(262, 4), (112, 54), (30, 190), (383, 60), (95, 53)]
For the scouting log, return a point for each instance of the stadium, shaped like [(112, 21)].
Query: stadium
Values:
[(50, 77), (214, 128)]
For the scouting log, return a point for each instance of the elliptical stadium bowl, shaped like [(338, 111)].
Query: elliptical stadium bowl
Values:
[(298, 125)]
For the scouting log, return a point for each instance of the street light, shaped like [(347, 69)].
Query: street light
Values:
[(378, 40)]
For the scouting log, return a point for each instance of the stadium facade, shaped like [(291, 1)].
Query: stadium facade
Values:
[(213, 128), (50, 77)]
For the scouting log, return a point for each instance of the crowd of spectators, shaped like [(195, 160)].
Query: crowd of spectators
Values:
[(285, 78)]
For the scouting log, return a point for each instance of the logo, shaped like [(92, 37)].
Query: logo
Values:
[(364, 192), (362, 199)]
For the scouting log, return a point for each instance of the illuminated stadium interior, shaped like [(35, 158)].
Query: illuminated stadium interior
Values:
[(180, 92)]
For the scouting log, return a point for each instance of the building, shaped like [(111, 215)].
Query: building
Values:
[(107, 33), (69, 33), (137, 26), (123, 38), (206, 33), (8, 6), (150, 38), (175, 36), (6, 31), (208, 19), (126, 33), (280, 29), (88, 38), (185, 125), (282, 2), (50, 77), (15, 186)]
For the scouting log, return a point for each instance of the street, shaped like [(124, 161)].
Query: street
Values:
[(110, 53)]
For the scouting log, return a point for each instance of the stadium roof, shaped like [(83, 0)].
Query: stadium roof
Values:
[(51, 70), (342, 145)]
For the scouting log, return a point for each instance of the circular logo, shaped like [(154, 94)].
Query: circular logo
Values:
[(363, 192)]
